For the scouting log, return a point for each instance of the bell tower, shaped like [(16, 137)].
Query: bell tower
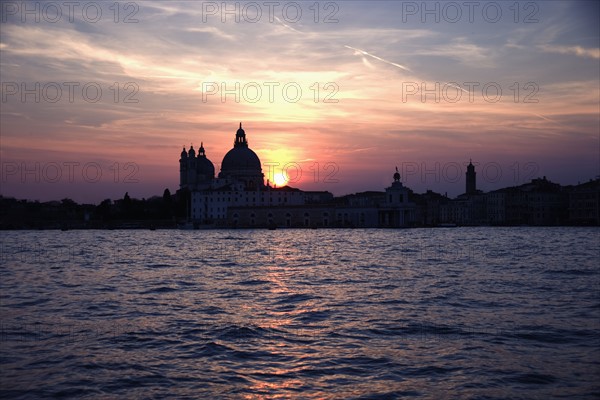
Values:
[(471, 182)]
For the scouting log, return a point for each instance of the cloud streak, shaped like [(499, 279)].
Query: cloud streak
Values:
[(575, 50), (359, 51)]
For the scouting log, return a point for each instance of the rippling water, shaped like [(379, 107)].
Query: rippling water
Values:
[(422, 313)]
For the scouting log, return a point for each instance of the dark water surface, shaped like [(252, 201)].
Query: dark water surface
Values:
[(422, 313)]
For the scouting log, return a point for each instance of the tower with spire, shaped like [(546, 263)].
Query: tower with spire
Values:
[(471, 187), (240, 138)]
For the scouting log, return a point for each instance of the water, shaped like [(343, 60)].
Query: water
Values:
[(421, 313)]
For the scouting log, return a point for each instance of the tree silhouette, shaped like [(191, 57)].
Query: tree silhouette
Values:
[(167, 204)]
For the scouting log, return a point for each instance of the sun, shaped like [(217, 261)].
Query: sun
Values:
[(280, 179)]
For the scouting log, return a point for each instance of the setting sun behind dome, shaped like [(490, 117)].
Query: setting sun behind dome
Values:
[(280, 179)]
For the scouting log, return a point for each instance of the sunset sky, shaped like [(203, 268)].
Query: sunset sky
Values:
[(353, 107)]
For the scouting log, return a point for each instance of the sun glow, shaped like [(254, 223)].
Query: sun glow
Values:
[(280, 179)]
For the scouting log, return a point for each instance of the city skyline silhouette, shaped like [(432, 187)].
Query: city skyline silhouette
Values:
[(354, 86)]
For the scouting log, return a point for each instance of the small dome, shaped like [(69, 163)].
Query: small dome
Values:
[(205, 166), (183, 153), (192, 152)]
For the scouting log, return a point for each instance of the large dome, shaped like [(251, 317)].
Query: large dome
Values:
[(241, 163), (240, 159)]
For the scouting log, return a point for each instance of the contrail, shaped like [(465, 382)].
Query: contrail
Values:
[(457, 87), (549, 119), (355, 49), (546, 118), (378, 58), (287, 26)]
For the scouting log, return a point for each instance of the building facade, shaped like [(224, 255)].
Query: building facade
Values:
[(584, 203), (238, 197)]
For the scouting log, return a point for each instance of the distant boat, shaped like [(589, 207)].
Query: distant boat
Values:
[(447, 225)]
